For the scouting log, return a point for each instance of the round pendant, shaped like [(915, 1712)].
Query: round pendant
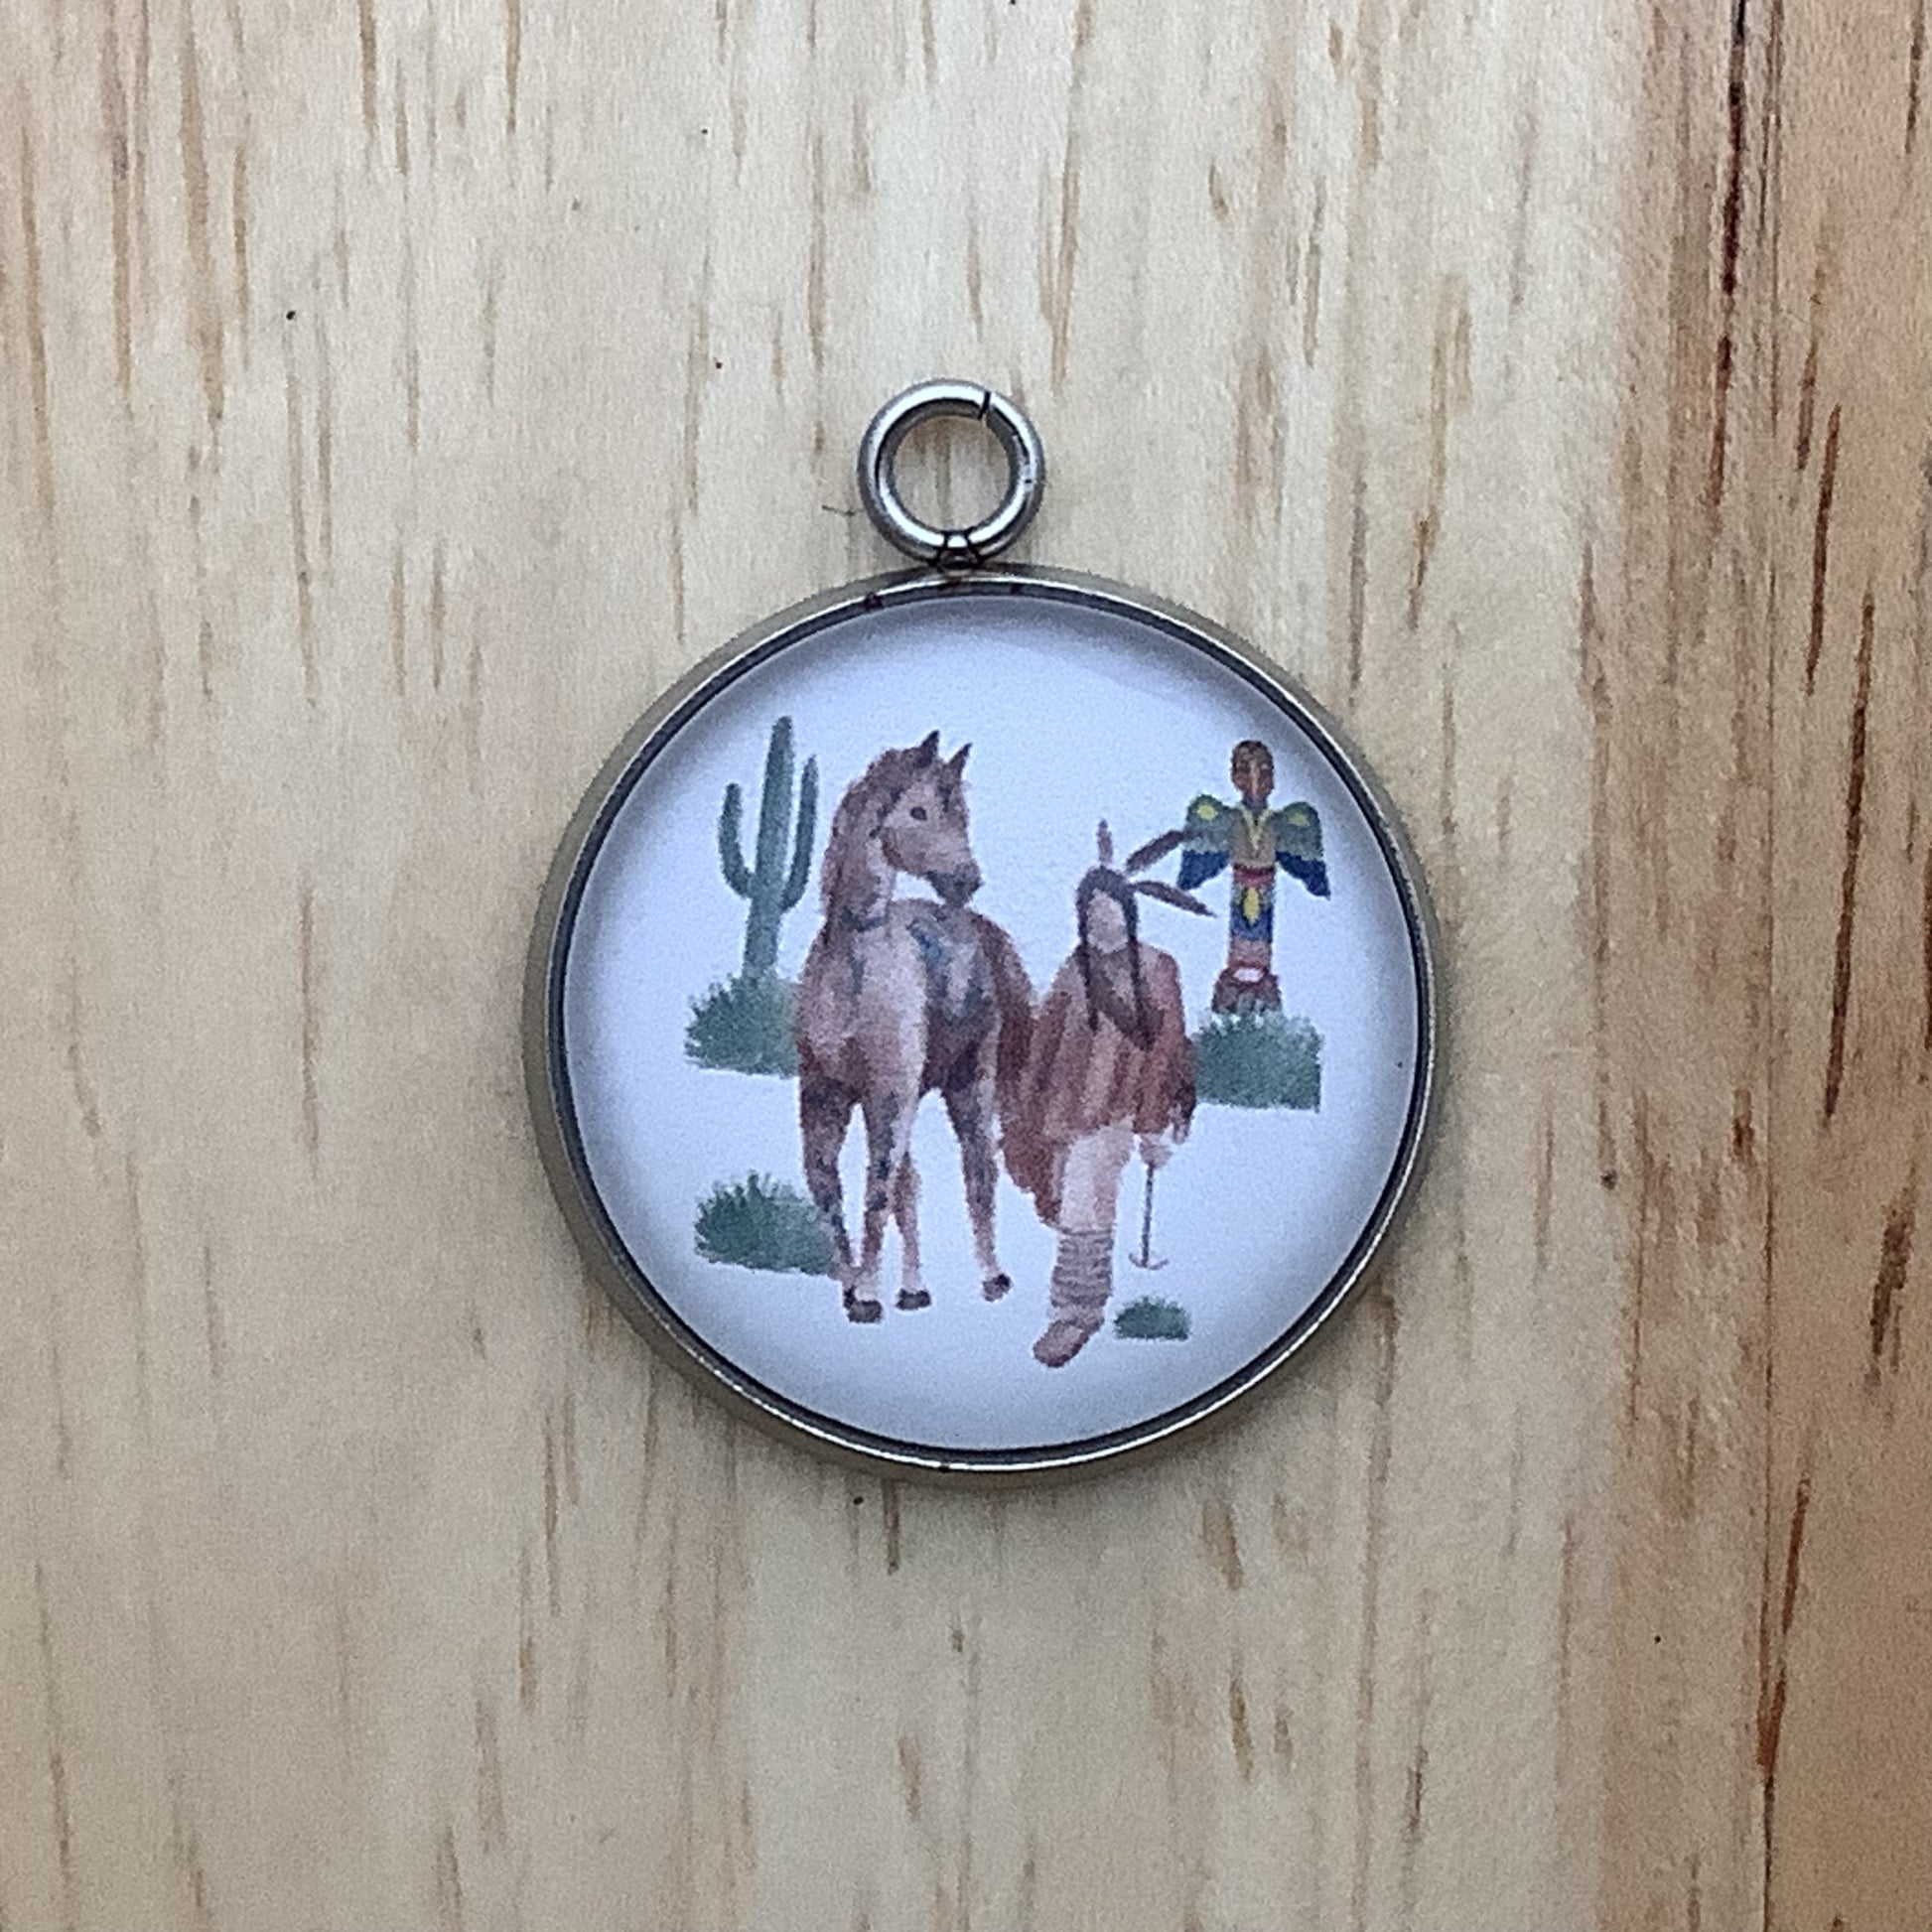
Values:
[(983, 1022)]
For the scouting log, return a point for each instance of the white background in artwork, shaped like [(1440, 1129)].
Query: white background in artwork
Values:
[(1073, 716)]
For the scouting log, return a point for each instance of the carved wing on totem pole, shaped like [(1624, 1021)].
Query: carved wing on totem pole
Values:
[(1203, 843), (1297, 847)]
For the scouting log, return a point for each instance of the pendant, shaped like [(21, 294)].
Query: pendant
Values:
[(983, 1022)]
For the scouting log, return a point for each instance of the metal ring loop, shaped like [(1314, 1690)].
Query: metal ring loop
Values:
[(956, 549)]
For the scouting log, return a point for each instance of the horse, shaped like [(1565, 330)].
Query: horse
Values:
[(900, 998)]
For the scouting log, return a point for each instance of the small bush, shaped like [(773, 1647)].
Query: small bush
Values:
[(1258, 1060), (743, 1026), (762, 1224), (1152, 1320)]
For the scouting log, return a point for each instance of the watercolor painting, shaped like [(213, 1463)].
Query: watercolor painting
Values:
[(1147, 1317), (1258, 1058), (766, 1224), (1111, 1074), (962, 1083), (908, 996), (744, 1024), (903, 997), (1251, 1054)]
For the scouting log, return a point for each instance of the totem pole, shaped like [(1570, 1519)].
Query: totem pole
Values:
[(1252, 838)]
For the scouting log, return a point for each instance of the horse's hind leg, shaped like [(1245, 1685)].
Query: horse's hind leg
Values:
[(824, 1113), (906, 1211), (969, 1105)]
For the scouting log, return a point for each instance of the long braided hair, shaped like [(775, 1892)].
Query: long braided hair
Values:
[(1104, 881)]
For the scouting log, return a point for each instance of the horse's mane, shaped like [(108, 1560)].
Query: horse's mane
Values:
[(868, 799)]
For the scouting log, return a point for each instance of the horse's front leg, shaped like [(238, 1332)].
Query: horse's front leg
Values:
[(913, 1292), (969, 1105), (824, 1113), (888, 1149)]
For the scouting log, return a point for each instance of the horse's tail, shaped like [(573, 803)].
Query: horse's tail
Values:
[(1013, 992)]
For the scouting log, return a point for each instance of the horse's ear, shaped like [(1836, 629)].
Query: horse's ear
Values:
[(957, 762), (928, 748)]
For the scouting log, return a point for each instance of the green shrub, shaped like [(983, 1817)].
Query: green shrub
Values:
[(1258, 1060), (743, 1026), (762, 1224), (1149, 1318)]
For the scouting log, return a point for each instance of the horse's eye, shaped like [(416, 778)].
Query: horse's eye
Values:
[(919, 812)]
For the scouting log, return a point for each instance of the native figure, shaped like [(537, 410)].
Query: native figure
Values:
[(1111, 1067), (900, 997), (1254, 838)]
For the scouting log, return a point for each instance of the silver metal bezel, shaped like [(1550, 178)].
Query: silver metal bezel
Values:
[(547, 1077)]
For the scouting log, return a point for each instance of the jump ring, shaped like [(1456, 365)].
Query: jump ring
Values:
[(966, 547)]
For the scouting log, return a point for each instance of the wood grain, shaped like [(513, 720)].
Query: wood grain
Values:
[(394, 396)]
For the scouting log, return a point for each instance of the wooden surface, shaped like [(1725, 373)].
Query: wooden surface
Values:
[(394, 395)]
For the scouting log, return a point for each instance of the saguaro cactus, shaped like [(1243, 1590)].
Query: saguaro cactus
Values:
[(771, 890)]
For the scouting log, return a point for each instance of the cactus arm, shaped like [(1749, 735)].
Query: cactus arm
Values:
[(801, 851), (728, 855)]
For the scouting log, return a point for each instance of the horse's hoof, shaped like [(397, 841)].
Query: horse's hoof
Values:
[(995, 1286), (914, 1298), (863, 1308)]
